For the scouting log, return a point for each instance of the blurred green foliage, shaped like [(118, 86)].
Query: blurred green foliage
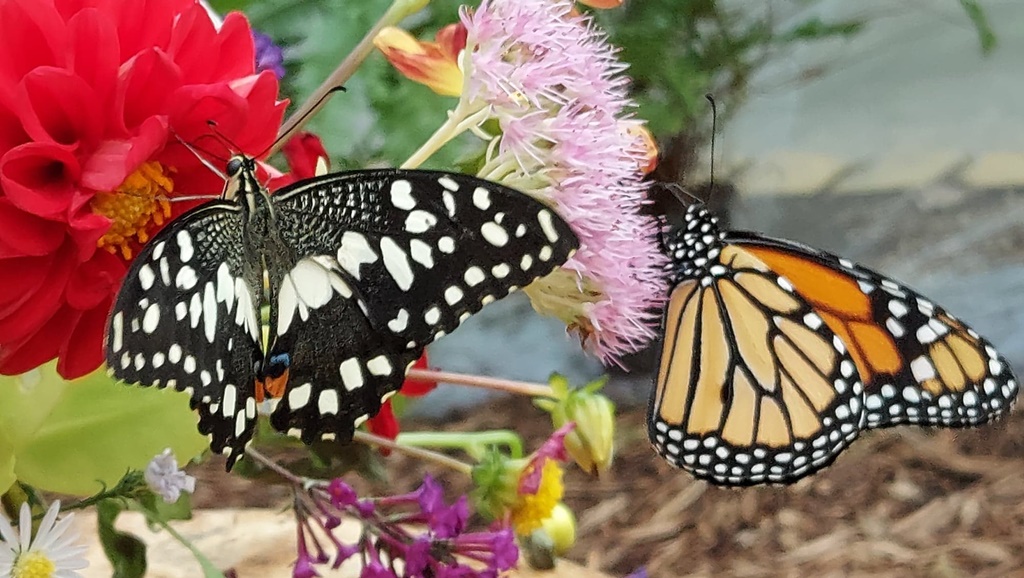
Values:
[(678, 50)]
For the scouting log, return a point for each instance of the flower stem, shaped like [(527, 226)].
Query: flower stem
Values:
[(398, 10), (438, 458), (274, 466), (210, 569), (459, 121), (473, 443), (493, 383)]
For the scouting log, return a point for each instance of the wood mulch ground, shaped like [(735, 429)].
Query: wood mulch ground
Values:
[(903, 502)]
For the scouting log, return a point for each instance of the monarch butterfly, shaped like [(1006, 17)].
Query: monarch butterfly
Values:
[(777, 355)]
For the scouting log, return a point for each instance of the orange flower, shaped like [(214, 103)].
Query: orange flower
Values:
[(601, 4), (435, 64), (649, 145)]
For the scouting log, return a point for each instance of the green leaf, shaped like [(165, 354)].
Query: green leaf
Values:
[(77, 437), (126, 552)]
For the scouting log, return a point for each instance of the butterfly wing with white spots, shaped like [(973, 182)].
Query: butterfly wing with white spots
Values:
[(187, 318), (920, 364), (398, 259)]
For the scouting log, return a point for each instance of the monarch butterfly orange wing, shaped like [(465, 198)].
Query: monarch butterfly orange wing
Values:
[(754, 387), (919, 364)]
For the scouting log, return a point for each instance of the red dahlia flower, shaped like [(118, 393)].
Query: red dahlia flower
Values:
[(385, 424), (92, 95)]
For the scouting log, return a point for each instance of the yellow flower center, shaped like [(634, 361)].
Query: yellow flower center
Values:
[(139, 204), (33, 565), (533, 509)]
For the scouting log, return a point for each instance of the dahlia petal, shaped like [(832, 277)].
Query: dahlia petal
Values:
[(22, 277), (94, 51), (42, 345), (58, 106), (418, 387), (145, 24), (303, 151), (234, 109), (37, 30), (260, 93), (20, 322), (206, 54), (12, 133), (27, 233), (146, 88), (82, 352), (384, 424), (94, 281), (114, 160), (39, 178)]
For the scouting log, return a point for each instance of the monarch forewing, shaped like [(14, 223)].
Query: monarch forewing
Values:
[(776, 356), (919, 363)]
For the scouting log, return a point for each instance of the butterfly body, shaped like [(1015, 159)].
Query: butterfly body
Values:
[(777, 356), (360, 271)]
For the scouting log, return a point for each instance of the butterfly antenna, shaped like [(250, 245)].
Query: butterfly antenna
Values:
[(685, 197), (714, 129), (288, 131), (216, 133), (201, 154)]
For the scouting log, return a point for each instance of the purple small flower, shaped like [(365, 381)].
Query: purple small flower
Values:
[(393, 530), (269, 56), (341, 494), (165, 479), (304, 565), (640, 572), (376, 570), (417, 557)]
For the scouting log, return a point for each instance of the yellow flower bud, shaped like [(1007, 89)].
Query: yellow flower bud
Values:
[(561, 527), (592, 443)]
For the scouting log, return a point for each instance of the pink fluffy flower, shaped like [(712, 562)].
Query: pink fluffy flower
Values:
[(556, 88)]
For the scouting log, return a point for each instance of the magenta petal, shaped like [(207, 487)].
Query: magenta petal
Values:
[(146, 87), (22, 277), (18, 323), (82, 351), (33, 35), (39, 178), (94, 51), (27, 233), (59, 107), (114, 160)]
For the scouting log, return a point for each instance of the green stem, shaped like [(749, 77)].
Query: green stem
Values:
[(473, 443), (493, 383), (459, 121), (210, 570), (398, 11), (416, 452)]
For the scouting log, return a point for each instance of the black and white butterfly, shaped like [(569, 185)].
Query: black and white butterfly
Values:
[(360, 271)]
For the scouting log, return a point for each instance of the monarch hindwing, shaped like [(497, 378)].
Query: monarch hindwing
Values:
[(364, 269), (802, 320)]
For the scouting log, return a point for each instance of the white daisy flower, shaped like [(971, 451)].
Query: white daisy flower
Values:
[(53, 553), (164, 477)]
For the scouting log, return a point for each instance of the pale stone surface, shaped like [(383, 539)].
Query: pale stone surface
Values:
[(995, 170), (791, 173), (908, 170), (255, 542)]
